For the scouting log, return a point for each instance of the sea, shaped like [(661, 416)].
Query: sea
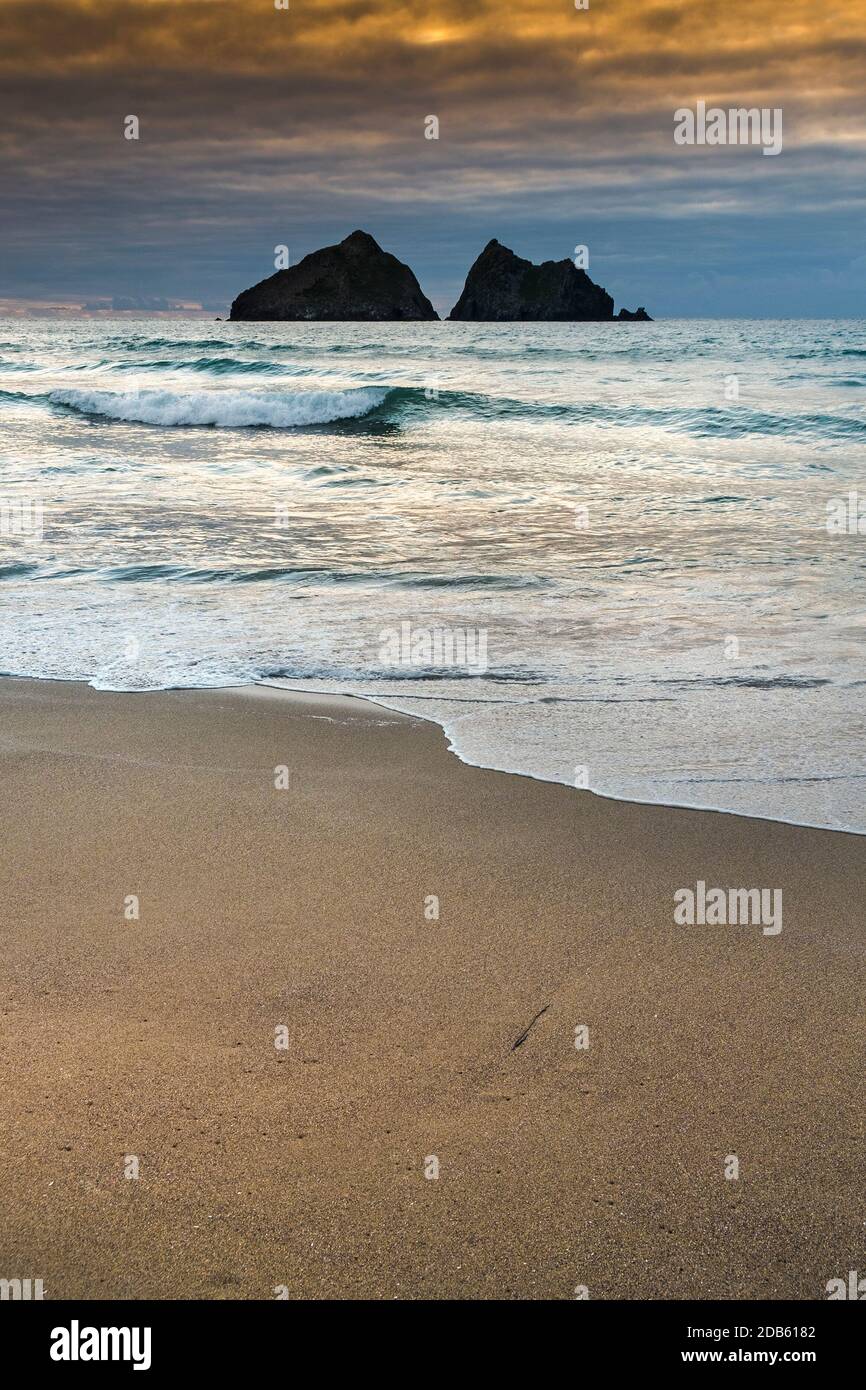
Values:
[(624, 557)]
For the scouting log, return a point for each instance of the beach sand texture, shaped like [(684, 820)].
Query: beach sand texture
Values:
[(303, 1166)]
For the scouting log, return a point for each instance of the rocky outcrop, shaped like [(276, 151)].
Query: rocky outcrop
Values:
[(355, 280), (501, 287), (639, 316)]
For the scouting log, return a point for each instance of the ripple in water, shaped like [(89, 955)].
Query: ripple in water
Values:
[(666, 616)]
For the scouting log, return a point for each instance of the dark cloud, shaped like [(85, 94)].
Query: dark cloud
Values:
[(260, 127)]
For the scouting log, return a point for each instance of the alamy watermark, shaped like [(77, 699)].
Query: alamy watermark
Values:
[(22, 1290), (77, 1343), (854, 1288), (22, 516), (729, 907), (444, 647), (846, 516), (739, 125)]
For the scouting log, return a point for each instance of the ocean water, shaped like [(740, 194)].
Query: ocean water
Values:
[(622, 556)]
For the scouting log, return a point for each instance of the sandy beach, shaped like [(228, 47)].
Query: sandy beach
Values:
[(301, 916)]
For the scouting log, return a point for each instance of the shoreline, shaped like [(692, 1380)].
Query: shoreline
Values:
[(551, 782), (300, 694), (408, 1037)]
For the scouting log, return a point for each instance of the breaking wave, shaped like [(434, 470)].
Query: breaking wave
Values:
[(231, 409), (290, 408), (586, 497)]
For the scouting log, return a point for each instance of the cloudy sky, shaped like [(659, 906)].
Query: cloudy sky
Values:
[(262, 126)]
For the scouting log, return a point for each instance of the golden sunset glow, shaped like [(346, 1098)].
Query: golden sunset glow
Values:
[(318, 111)]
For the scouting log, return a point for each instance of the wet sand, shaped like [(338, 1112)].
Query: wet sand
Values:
[(302, 916)]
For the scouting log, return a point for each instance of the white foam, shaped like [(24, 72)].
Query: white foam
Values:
[(698, 642), (230, 409)]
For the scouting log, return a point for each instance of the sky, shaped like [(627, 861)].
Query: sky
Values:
[(261, 127)]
